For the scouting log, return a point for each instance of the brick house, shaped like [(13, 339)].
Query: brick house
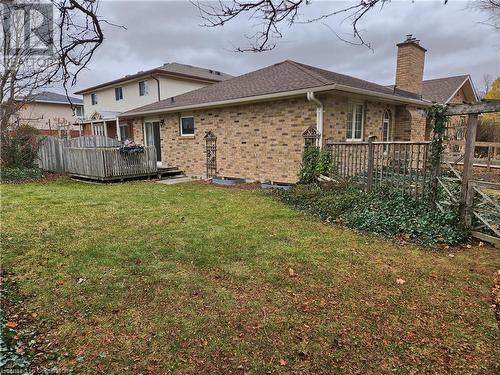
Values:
[(259, 118)]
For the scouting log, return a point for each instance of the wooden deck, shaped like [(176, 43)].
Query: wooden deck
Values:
[(99, 159)]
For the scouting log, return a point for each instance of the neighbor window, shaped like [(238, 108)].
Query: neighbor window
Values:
[(355, 122), (187, 125), (124, 134), (118, 93), (143, 88), (99, 129), (79, 111), (93, 98)]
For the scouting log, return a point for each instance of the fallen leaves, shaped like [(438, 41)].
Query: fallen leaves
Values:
[(282, 362), (291, 272), (11, 324), (400, 281)]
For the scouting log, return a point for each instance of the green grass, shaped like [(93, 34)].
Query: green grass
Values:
[(192, 278)]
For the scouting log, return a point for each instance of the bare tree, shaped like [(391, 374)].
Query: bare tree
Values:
[(272, 16), (70, 39), (491, 8)]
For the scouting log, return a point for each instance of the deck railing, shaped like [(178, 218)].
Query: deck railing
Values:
[(401, 165), (95, 157), (107, 163)]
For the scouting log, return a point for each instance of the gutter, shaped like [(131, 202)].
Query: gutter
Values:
[(158, 85), (284, 94), (319, 117)]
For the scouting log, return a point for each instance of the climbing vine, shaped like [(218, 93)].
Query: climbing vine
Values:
[(437, 116)]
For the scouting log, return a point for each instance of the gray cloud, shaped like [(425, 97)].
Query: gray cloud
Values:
[(166, 31)]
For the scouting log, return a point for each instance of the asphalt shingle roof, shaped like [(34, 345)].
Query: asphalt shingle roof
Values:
[(282, 77), (176, 69), (441, 89), (47, 96)]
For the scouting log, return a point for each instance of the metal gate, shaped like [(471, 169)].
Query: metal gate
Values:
[(211, 151)]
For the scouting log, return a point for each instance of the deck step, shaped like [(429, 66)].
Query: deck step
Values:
[(169, 172), (175, 180)]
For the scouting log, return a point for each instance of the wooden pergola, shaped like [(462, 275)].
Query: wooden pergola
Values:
[(472, 110)]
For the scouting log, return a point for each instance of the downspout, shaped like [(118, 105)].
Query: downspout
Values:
[(157, 85), (319, 117)]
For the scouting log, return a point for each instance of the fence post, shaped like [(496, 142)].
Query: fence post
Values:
[(371, 158), (467, 187)]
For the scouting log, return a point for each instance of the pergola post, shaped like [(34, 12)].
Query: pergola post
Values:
[(468, 191)]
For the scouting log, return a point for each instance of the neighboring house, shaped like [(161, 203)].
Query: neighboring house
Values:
[(103, 103), (259, 118), (52, 113)]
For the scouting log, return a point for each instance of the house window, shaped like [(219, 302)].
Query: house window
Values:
[(386, 126), (99, 129), (118, 93), (124, 133), (93, 98), (79, 111), (143, 88), (355, 122), (187, 125)]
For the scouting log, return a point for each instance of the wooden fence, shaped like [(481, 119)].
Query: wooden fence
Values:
[(401, 165), (50, 155), (94, 157), (486, 154)]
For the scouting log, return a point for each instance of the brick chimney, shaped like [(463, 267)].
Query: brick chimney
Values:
[(410, 65)]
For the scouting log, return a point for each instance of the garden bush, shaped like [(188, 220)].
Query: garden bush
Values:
[(19, 147), (19, 174), (385, 212)]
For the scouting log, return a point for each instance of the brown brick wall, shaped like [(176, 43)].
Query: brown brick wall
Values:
[(261, 141), (335, 117), (410, 67)]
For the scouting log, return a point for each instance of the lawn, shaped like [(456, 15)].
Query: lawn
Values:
[(147, 278)]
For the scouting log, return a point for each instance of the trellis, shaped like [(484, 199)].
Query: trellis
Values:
[(478, 211), (211, 153)]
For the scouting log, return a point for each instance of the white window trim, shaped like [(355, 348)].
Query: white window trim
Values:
[(180, 126), (354, 103), (121, 91), (389, 125)]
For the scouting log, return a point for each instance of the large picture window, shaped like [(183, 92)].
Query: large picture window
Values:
[(187, 125), (355, 122)]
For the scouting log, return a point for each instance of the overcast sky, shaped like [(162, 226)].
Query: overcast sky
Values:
[(167, 31)]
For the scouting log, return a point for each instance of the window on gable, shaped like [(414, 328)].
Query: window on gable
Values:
[(143, 88), (93, 98), (118, 93), (187, 125), (355, 122)]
